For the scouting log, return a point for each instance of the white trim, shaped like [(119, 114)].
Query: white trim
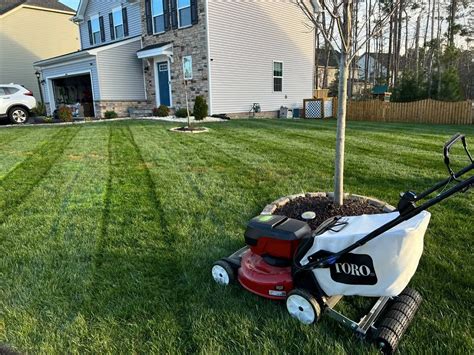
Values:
[(143, 72), (273, 75), (182, 8), (94, 51), (157, 88), (49, 81), (46, 66), (80, 11), (155, 52), (209, 62)]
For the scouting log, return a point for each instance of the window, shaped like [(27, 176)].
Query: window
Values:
[(10, 90), (157, 12), (184, 13), (95, 29), (3, 91), (277, 76), (118, 22)]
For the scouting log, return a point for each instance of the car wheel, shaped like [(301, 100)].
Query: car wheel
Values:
[(18, 115)]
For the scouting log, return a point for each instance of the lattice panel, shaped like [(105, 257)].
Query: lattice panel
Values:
[(328, 109), (313, 109)]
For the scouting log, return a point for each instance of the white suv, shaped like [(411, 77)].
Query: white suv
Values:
[(16, 102)]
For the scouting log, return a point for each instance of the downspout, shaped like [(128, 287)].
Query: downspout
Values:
[(209, 69)]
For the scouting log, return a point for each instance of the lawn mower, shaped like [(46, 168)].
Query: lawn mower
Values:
[(369, 255)]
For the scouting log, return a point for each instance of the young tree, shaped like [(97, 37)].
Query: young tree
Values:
[(342, 39)]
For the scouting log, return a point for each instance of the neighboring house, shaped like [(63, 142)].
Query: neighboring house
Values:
[(330, 63), (31, 30), (377, 66), (106, 73), (242, 52)]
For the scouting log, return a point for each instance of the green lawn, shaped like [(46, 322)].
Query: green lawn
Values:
[(108, 232)]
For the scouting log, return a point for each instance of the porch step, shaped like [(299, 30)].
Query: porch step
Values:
[(140, 112)]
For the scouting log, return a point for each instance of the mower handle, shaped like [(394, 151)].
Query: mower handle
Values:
[(447, 147)]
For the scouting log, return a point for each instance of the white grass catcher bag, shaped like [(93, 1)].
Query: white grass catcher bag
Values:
[(382, 267)]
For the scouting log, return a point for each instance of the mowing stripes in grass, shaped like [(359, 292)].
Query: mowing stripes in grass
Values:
[(49, 246), (135, 279), (110, 251), (19, 182)]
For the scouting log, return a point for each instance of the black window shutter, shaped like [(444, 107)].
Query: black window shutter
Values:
[(149, 24), (194, 12), (174, 14), (89, 26), (112, 29), (102, 29), (166, 14), (125, 21)]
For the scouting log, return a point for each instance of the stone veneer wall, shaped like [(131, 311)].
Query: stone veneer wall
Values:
[(187, 41), (120, 107)]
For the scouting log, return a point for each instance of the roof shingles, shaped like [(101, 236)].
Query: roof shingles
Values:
[(8, 5)]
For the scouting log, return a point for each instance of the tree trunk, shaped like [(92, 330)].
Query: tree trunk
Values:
[(417, 47), (344, 65), (341, 129), (389, 56)]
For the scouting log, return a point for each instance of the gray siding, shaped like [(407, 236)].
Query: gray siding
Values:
[(66, 69), (121, 73), (245, 37), (103, 8)]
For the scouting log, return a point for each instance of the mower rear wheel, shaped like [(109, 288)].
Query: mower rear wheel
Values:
[(387, 340), (223, 273), (303, 306)]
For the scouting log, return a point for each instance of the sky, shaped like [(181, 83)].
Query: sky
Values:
[(71, 3)]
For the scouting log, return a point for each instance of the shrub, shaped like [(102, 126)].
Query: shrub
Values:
[(161, 111), (110, 114), (182, 113), (48, 120), (200, 108), (39, 110), (65, 114)]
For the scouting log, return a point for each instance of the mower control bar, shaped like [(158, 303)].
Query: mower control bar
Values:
[(447, 147)]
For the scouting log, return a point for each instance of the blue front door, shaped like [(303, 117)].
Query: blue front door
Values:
[(163, 83)]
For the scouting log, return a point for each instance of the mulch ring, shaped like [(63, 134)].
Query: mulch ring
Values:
[(325, 208), (188, 129)]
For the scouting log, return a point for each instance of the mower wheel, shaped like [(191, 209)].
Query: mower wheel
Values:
[(409, 292), (223, 273), (303, 306), (387, 340)]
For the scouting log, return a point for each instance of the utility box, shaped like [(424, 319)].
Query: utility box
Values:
[(285, 112)]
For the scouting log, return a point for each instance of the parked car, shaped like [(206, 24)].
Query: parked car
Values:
[(16, 102)]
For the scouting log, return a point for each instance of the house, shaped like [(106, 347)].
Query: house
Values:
[(326, 69), (236, 53), (146, 53), (376, 66), (32, 30), (106, 73)]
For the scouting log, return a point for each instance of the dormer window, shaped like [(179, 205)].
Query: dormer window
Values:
[(158, 15), (184, 13)]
